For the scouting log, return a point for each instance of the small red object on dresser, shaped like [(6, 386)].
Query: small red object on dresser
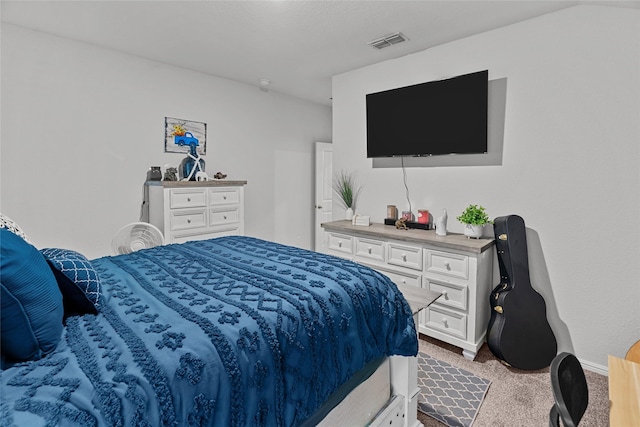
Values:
[(423, 216)]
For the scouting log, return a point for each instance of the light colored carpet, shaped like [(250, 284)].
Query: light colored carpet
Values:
[(516, 397)]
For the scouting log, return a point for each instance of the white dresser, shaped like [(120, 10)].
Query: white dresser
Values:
[(189, 210), (459, 268)]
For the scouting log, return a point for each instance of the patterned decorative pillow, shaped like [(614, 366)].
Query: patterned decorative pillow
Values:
[(31, 312), (77, 280), (9, 224)]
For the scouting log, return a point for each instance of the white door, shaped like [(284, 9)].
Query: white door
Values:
[(324, 193)]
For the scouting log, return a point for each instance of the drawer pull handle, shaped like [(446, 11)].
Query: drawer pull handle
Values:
[(224, 197), (369, 249), (404, 281), (404, 257), (225, 217), (444, 295), (188, 199), (447, 265), (339, 244), (188, 220), (444, 322)]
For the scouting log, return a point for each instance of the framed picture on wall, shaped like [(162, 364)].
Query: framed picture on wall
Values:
[(180, 134)]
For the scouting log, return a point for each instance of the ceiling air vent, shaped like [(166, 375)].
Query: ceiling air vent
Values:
[(388, 40)]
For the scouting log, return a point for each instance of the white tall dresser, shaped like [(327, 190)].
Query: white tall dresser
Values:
[(195, 210)]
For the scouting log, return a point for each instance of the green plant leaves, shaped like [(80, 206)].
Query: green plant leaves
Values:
[(475, 215), (347, 188)]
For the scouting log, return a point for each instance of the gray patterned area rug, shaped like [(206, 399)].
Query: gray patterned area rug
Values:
[(450, 395)]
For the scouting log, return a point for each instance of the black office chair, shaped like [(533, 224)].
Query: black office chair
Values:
[(569, 390)]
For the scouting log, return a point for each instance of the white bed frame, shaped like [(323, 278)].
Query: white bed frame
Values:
[(389, 397)]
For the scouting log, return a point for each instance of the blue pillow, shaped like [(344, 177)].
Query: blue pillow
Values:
[(77, 280), (31, 312)]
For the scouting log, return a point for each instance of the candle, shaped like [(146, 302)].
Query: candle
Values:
[(392, 212), (423, 216)]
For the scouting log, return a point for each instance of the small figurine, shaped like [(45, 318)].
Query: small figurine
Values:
[(402, 223), (220, 175), (201, 176), (441, 224), (171, 174)]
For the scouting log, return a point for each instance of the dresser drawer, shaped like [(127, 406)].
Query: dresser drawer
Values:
[(446, 321), (224, 196), (193, 218), (448, 264), (453, 295), (340, 243), (403, 279), (192, 198), (371, 249), (405, 256), (224, 216)]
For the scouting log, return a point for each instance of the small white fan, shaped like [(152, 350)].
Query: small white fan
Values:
[(135, 236)]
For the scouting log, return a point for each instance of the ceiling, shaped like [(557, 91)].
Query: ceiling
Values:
[(297, 45)]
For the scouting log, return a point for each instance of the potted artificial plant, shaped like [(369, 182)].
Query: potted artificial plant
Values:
[(346, 187), (474, 219)]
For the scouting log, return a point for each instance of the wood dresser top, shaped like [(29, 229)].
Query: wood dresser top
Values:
[(210, 183), (450, 241)]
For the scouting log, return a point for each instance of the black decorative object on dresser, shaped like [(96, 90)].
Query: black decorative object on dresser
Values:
[(518, 333)]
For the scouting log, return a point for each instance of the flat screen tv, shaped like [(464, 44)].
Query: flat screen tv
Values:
[(438, 117)]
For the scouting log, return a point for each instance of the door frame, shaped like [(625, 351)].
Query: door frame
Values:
[(323, 199)]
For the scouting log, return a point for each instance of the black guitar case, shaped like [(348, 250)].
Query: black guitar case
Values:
[(518, 333)]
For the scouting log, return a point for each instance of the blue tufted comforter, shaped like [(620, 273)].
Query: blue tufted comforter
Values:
[(232, 331)]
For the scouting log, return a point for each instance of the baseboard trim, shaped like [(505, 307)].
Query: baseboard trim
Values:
[(593, 367)]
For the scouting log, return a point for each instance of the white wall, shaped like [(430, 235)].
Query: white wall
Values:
[(570, 162), (81, 125)]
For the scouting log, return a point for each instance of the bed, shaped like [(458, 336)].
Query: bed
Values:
[(233, 331)]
